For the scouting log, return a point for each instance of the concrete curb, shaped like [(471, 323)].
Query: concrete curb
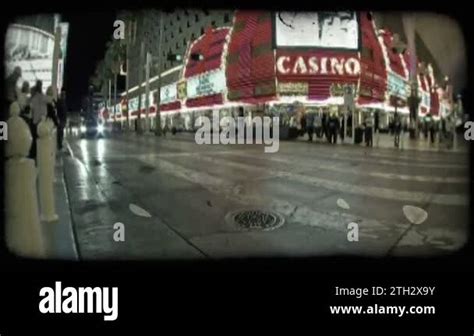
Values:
[(59, 235)]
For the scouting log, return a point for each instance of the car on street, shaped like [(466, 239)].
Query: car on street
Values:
[(92, 127)]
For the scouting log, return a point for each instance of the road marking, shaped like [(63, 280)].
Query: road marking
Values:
[(299, 214), (336, 168), (415, 214), (323, 152), (314, 164), (135, 209), (377, 192), (342, 204)]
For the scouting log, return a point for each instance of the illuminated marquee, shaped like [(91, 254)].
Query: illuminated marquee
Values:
[(397, 86), (313, 65), (168, 93), (317, 29), (293, 88), (133, 104), (207, 84), (181, 90), (32, 50)]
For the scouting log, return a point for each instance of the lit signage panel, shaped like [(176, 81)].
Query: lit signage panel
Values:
[(331, 30), (32, 50), (206, 84), (168, 94)]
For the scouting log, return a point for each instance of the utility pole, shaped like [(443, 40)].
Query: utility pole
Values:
[(158, 94), (56, 52), (349, 107), (140, 79), (409, 22), (147, 90), (115, 92), (110, 96), (127, 56)]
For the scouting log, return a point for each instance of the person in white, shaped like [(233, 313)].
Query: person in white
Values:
[(23, 100), (39, 110), (38, 104)]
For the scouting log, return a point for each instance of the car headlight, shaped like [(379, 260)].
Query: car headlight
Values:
[(100, 128), (83, 129)]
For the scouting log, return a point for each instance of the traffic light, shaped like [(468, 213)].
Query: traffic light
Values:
[(175, 57)]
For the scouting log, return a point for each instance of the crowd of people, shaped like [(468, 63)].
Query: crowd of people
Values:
[(36, 106), (331, 126), (428, 127)]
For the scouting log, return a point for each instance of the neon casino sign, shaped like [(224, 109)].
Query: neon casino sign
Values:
[(304, 65)]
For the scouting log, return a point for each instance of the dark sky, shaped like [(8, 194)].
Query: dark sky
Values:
[(88, 33)]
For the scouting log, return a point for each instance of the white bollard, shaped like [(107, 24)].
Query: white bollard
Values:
[(46, 161), (54, 135), (23, 227)]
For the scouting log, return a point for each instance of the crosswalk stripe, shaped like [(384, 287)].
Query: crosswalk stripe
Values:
[(338, 156), (299, 214), (315, 164), (324, 149), (371, 191)]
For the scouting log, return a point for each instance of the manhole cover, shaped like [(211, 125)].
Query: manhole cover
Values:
[(255, 219)]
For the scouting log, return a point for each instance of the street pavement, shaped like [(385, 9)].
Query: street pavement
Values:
[(172, 197)]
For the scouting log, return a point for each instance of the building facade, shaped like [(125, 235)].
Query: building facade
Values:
[(264, 62)]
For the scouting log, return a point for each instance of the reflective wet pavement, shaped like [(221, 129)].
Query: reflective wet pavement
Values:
[(173, 195)]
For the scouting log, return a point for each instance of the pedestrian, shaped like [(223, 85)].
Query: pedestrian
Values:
[(442, 131), (318, 125), (450, 127), (397, 128), (310, 125), (349, 123), (62, 117), (51, 107), (432, 129), (302, 120), (39, 110), (368, 131), (376, 122), (23, 101), (11, 81), (333, 126), (324, 122), (342, 128)]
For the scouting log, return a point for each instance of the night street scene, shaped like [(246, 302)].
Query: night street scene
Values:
[(194, 134)]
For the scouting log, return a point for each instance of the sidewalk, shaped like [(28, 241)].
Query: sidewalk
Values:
[(59, 235), (383, 140), (387, 141)]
